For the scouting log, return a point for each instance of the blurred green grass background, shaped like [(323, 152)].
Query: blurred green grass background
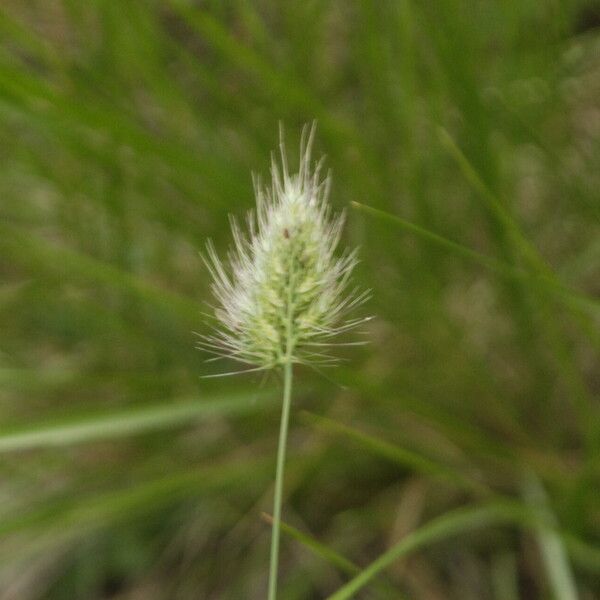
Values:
[(468, 134)]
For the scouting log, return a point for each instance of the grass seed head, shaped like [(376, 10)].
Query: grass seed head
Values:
[(284, 292)]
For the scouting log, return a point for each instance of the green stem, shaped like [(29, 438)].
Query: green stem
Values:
[(283, 432)]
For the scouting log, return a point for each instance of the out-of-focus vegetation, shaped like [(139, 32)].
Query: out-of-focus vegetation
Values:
[(455, 457)]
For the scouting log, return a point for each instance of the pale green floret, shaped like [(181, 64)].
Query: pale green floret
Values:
[(285, 290)]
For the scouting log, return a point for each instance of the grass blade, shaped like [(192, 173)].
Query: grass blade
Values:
[(321, 550), (399, 455), (93, 512), (448, 525), (544, 283), (551, 546), (122, 423), (30, 250), (329, 555), (494, 205)]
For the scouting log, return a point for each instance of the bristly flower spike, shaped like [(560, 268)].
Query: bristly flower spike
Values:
[(285, 293)]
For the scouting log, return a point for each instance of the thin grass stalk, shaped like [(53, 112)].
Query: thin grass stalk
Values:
[(279, 477)]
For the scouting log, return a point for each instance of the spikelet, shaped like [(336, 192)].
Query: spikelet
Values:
[(284, 294)]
